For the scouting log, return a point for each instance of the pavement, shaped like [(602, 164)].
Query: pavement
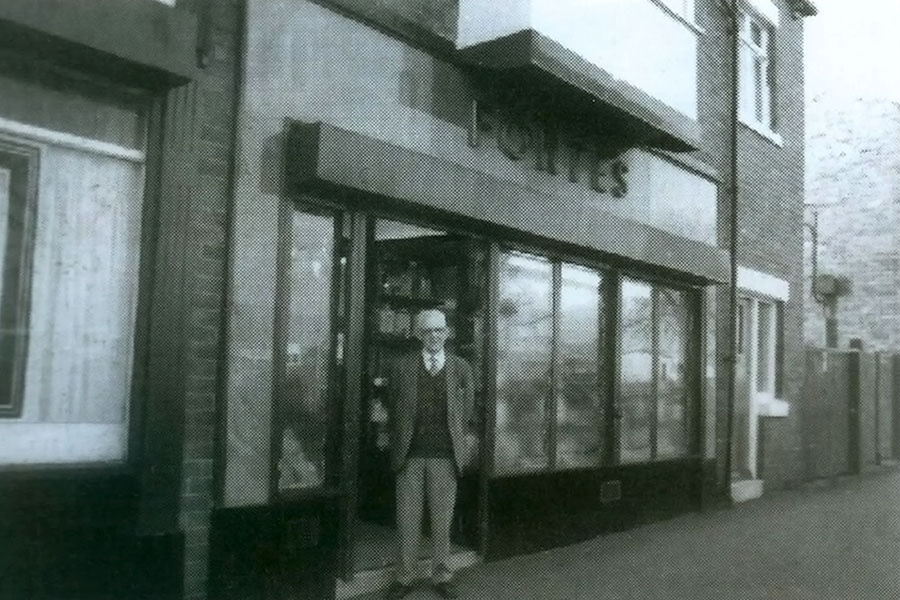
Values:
[(837, 540)]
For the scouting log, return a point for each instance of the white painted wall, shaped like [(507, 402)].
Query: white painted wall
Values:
[(636, 41)]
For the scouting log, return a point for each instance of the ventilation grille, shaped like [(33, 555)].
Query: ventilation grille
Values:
[(610, 491)]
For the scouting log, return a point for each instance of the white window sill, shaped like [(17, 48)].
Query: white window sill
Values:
[(773, 407), (763, 131)]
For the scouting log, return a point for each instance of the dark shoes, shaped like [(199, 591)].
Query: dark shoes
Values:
[(446, 589), (397, 590)]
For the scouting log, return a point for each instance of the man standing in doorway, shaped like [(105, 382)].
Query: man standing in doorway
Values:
[(431, 402)]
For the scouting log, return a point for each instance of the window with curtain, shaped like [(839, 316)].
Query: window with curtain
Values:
[(70, 227)]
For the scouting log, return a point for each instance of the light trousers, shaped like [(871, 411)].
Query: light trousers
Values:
[(434, 478)]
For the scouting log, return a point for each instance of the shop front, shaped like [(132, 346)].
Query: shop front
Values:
[(592, 405), (575, 258)]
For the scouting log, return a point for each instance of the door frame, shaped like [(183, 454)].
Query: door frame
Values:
[(358, 286), (751, 357)]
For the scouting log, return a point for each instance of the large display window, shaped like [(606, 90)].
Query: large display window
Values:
[(658, 391), (592, 368), (552, 341)]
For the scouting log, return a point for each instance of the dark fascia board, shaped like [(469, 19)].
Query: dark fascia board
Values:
[(140, 42), (322, 156), (664, 127)]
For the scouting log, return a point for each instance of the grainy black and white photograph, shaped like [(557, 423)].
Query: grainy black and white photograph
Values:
[(424, 299)]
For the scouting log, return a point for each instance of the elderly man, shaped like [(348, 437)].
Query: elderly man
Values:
[(430, 396)]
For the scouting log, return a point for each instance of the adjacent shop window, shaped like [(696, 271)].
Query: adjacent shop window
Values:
[(656, 391), (524, 352), (550, 343), (70, 237), (756, 73)]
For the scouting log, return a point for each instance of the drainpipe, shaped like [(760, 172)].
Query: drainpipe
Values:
[(732, 242)]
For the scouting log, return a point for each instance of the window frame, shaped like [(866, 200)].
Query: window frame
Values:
[(693, 363), (22, 160), (605, 365), (43, 140), (774, 350), (758, 85), (609, 336)]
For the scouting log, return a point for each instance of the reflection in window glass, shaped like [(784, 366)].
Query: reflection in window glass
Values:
[(524, 339), (305, 389), (765, 348), (578, 402), (672, 410), (637, 402)]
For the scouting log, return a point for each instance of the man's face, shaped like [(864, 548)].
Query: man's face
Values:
[(431, 328)]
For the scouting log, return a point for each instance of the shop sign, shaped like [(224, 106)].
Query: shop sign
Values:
[(539, 145)]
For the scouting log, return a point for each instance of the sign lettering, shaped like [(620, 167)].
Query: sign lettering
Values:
[(540, 146)]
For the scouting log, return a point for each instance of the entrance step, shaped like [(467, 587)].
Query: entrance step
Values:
[(747, 489), (366, 582)]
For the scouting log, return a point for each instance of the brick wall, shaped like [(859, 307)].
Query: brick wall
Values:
[(853, 183), (770, 210), (205, 257)]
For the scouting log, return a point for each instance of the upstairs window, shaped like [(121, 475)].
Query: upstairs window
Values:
[(757, 82)]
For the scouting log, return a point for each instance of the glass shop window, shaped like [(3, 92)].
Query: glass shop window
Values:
[(305, 409), (524, 346), (579, 403), (657, 392), (550, 346)]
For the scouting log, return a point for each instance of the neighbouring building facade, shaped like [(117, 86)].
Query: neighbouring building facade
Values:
[(206, 274), (853, 204)]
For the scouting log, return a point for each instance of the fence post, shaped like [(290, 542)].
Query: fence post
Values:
[(854, 451), (877, 408)]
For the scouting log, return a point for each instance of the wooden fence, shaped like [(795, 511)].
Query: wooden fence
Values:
[(850, 414)]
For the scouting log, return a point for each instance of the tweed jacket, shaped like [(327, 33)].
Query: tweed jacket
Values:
[(402, 401)]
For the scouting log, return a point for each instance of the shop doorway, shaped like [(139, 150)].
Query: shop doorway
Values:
[(412, 268), (754, 390)]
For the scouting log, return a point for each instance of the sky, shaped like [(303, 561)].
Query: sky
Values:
[(852, 49)]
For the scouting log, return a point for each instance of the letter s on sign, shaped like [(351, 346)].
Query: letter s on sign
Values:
[(620, 185)]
